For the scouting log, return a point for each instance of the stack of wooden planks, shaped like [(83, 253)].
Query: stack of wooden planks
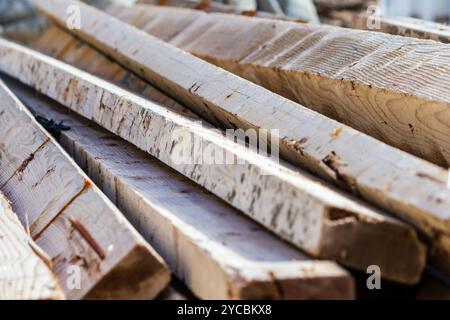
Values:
[(56, 201), (131, 148)]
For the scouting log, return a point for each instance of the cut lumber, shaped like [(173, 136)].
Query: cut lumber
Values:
[(24, 270), (95, 252), (210, 246), (392, 88), (394, 180), (314, 217)]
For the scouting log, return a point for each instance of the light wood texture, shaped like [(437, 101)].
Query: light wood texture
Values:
[(407, 186), (392, 88), (24, 273), (316, 218), (68, 217), (211, 247)]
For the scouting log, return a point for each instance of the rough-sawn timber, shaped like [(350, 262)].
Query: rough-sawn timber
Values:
[(316, 218), (392, 88), (407, 186), (94, 251), (211, 247), (24, 269)]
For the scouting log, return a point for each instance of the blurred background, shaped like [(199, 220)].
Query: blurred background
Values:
[(19, 20), (432, 10)]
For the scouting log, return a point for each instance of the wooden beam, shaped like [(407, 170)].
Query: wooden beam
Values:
[(407, 186), (361, 81), (331, 226), (24, 270), (77, 54), (210, 246), (86, 237)]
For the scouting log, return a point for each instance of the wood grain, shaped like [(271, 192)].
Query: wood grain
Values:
[(391, 88), (210, 246), (407, 186), (24, 273), (47, 189), (316, 218)]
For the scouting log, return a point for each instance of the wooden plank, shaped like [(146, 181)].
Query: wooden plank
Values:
[(83, 55), (210, 246), (407, 186), (156, 19), (24, 273), (56, 200), (316, 218), (394, 89)]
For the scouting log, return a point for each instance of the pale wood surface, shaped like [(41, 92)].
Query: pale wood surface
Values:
[(211, 247), (337, 237), (392, 88), (407, 186), (316, 218), (24, 273), (53, 197)]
